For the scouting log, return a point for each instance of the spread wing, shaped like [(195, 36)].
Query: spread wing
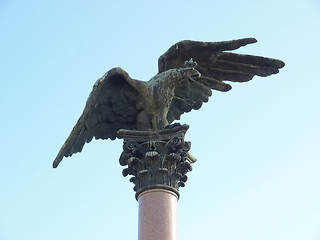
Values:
[(216, 65), (111, 105)]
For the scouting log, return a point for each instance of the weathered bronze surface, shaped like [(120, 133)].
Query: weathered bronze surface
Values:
[(156, 159), (188, 72)]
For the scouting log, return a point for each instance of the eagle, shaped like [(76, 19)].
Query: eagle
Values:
[(187, 73)]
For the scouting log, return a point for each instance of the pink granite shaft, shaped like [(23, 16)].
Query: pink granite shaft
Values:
[(158, 219)]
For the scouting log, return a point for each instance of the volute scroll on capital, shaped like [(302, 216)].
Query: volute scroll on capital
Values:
[(156, 159)]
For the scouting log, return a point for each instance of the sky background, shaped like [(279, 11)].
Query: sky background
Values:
[(258, 169)]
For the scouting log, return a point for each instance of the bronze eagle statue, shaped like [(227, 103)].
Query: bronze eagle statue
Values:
[(188, 71)]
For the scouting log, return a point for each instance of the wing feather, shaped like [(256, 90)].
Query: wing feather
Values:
[(216, 65), (111, 105)]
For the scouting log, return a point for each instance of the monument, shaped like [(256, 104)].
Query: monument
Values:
[(141, 112)]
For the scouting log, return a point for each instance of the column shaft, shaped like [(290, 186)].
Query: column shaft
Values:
[(158, 218)]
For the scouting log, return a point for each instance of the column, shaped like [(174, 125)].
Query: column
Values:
[(158, 217), (158, 162)]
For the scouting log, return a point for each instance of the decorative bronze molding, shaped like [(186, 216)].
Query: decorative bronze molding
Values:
[(156, 159)]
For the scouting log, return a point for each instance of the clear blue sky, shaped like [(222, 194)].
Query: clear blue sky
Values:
[(258, 170)]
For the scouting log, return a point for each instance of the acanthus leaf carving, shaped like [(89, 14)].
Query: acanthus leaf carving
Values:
[(156, 159)]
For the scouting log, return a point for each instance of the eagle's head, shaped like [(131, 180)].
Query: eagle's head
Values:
[(189, 70)]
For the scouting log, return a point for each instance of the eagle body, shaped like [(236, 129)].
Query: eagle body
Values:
[(188, 72), (157, 95)]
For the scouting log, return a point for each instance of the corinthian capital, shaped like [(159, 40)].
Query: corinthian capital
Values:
[(156, 159)]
